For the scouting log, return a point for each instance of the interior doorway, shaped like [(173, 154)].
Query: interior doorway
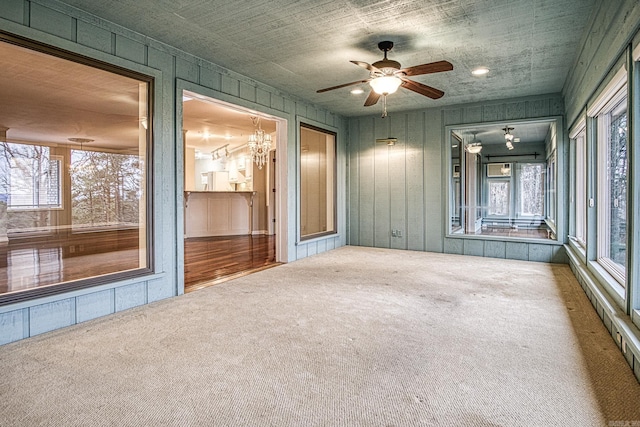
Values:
[(230, 178)]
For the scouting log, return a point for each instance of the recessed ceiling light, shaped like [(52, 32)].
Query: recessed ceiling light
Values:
[(357, 91), (481, 71)]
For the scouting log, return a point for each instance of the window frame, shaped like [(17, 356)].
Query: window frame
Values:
[(302, 238), (148, 179), (602, 104), (578, 139)]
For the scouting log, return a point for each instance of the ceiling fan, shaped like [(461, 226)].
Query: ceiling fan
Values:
[(387, 75)]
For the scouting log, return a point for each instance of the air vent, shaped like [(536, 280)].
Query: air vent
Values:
[(497, 170)]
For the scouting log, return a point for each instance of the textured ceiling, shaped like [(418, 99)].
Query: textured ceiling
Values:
[(302, 46)]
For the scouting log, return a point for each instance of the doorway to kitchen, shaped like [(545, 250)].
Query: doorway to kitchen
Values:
[(230, 179)]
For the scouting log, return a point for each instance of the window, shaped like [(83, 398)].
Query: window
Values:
[(580, 190), (501, 191), (33, 181), (612, 183), (531, 189), (74, 143), (499, 198), (317, 182)]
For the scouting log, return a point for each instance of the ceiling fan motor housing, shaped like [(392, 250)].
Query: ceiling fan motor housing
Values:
[(387, 66)]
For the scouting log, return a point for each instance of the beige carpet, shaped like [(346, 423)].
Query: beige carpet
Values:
[(352, 337)]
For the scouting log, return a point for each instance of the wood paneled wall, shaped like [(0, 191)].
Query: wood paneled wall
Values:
[(397, 193), (66, 27)]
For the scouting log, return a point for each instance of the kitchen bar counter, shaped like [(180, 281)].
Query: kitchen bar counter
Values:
[(218, 213)]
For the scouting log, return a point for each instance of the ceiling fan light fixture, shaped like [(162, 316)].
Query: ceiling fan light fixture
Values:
[(385, 85), (474, 148)]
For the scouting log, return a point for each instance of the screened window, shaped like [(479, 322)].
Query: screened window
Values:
[(317, 182), (74, 144)]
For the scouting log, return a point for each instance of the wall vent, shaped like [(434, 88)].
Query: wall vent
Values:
[(498, 170)]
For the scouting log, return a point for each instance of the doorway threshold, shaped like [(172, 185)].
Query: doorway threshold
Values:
[(206, 284)]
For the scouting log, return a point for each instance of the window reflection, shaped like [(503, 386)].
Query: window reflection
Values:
[(73, 179), (507, 189), (317, 182)]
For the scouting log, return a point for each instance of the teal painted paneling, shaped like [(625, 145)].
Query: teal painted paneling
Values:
[(433, 181), (210, 78), (454, 246), (473, 247), (354, 194), (540, 253), (130, 49), (130, 296), (493, 113), (160, 289), (53, 315), (187, 70), (366, 178), (95, 305), (97, 38), (248, 92), (415, 181), (52, 22), (607, 34), (159, 60), (517, 250), (375, 209), (381, 187), (263, 97), (13, 10), (495, 249), (277, 101), (13, 326), (230, 85), (107, 42), (398, 181)]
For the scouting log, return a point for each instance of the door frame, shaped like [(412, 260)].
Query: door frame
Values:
[(282, 134)]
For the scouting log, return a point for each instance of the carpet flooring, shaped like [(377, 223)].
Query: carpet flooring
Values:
[(351, 337)]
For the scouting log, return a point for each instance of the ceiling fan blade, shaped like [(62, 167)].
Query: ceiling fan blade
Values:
[(372, 99), (430, 68), (425, 90), (342, 85), (367, 66)]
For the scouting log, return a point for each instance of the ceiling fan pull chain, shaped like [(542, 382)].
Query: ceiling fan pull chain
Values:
[(384, 106)]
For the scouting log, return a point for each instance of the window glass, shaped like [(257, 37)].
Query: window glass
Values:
[(581, 189), (531, 182), (499, 184), (317, 182), (612, 185), (617, 177), (74, 137), (499, 198)]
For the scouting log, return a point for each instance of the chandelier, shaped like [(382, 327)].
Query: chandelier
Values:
[(259, 144)]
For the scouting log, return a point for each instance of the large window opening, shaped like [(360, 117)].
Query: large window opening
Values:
[(503, 180), (317, 182), (612, 186), (74, 148)]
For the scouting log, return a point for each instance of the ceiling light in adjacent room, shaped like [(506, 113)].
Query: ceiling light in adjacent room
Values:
[(357, 91)]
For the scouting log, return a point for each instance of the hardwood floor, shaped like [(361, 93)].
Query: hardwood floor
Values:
[(208, 259), (27, 264)]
